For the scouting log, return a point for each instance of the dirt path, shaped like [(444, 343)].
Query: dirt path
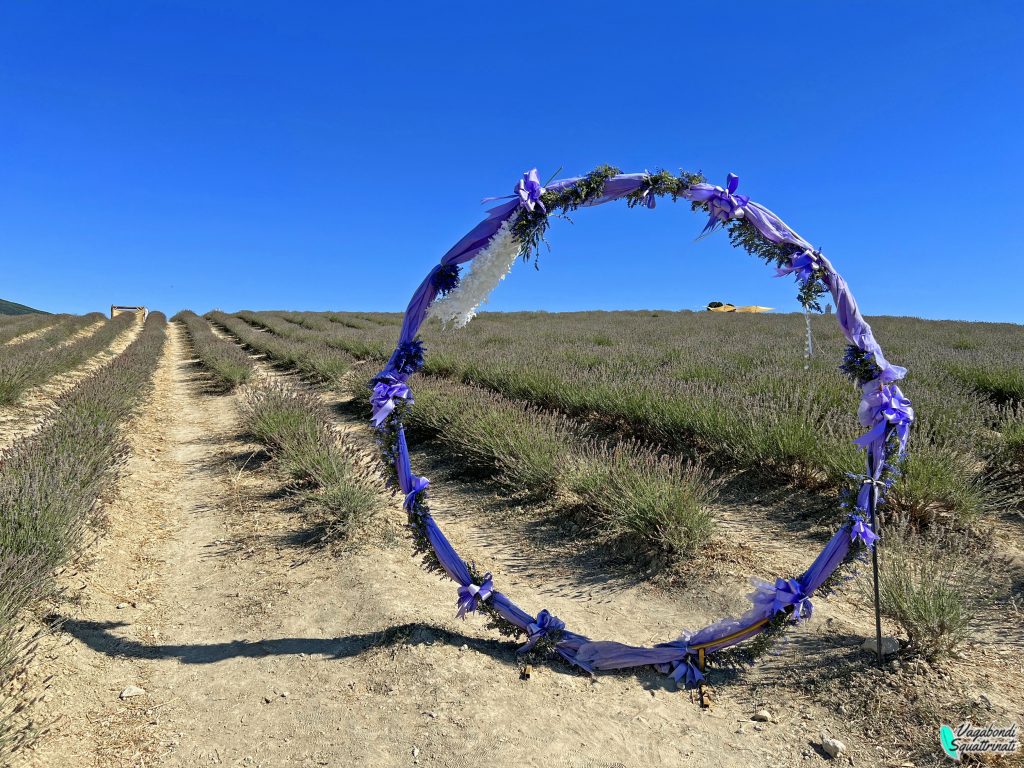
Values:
[(254, 649), (30, 412)]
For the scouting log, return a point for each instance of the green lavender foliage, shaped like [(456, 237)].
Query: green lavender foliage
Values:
[(733, 390), (37, 360), (932, 584), (223, 358), (296, 427), (529, 227)]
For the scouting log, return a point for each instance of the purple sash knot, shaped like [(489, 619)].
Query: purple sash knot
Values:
[(802, 264), (529, 191), (686, 672), (723, 204), (419, 484), (546, 622), (385, 392), (860, 529), (471, 595), (880, 406), (780, 596)]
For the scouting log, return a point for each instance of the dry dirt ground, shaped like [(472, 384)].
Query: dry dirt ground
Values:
[(255, 648)]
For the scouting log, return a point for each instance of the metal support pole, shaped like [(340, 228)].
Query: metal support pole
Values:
[(874, 562), (702, 694)]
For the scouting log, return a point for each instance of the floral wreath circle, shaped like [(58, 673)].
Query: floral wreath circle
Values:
[(517, 228)]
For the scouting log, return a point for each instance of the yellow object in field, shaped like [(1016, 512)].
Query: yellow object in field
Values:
[(752, 310)]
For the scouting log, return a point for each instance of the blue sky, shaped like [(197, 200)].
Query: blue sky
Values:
[(322, 156)]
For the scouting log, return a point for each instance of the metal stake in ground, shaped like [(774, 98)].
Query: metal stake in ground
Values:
[(872, 493)]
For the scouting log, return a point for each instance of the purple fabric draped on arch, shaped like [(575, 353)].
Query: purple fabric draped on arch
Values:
[(883, 410)]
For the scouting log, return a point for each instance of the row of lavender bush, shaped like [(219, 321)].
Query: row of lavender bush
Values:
[(58, 329), (314, 358), (656, 505), (298, 430), (49, 484), (229, 364), (14, 326), (734, 389), (35, 361), (650, 505)]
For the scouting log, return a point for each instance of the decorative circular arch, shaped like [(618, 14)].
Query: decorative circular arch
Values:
[(517, 228)]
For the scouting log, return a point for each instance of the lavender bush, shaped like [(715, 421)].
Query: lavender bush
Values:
[(732, 389), (298, 430)]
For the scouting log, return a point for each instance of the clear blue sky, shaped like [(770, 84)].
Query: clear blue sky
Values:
[(324, 155)]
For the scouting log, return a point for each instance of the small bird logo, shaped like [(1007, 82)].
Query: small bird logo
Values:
[(948, 740)]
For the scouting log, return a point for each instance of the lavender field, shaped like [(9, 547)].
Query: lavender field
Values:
[(729, 390), (639, 464)]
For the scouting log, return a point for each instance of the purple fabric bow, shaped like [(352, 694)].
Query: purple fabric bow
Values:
[(648, 197), (529, 191), (471, 595), (803, 264), (723, 204), (784, 593), (384, 394), (687, 672), (419, 484), (546, 622), (859, 529), (883, 405)]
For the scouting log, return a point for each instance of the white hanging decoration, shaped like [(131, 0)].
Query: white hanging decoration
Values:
[(809, 342), (488, 269)]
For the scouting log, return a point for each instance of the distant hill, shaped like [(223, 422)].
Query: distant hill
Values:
[(10, 308)]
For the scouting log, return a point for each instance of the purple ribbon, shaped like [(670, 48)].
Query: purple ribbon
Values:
[(687, 672), (867, 482), (785, 593), (385, 392), (546, 622), (419, 484), (883, 405), (471, 595), (803, 264), (860, 529), (529, 191), (723, 204)]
